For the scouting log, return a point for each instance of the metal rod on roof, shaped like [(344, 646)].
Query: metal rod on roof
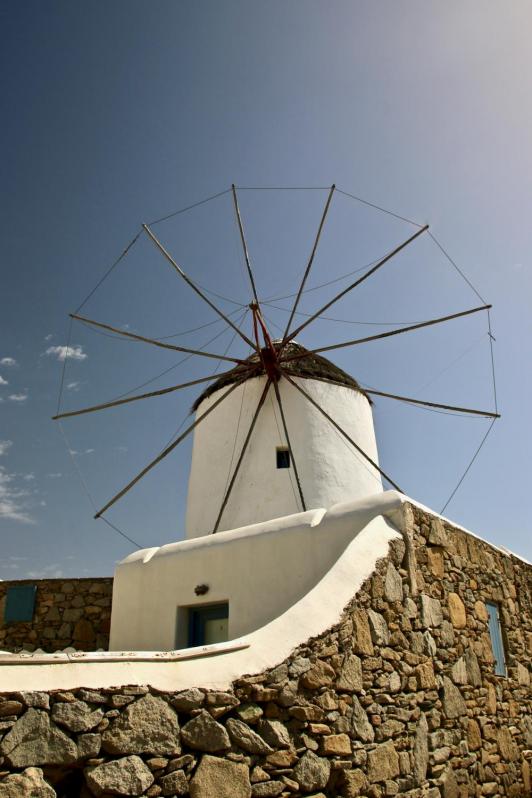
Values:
[(342, 431), (160, 392), (244, 245), (290, 450), (399, 331), (358, 282), (153, 341), (486, 413), (309, 266), (242, 453), (168, 449), (194, 287)]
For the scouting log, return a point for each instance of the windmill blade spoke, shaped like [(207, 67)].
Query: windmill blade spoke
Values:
[(168, 449), (242, 453), (341, 431), (153, 341), (309, 264), (160, 392), (388, 334), (290, 450), (454, 408), (373, 392), (358, 282), (195, 288), (244, 245)]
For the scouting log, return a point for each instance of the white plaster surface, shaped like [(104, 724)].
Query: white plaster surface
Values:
[(317, 610), (330, 469), (261, 570)]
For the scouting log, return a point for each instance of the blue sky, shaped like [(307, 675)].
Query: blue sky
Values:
[(119, 113)]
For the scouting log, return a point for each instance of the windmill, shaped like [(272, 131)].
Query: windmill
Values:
[(278, 368)]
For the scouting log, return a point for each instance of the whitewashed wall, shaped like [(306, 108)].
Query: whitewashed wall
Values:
[(330, 469), (261, 570)]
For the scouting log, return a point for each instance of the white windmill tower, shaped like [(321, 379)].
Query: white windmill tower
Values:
[(294, 460)]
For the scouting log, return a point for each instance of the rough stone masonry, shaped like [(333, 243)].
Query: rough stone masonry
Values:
[(398, 699), (72, 613)]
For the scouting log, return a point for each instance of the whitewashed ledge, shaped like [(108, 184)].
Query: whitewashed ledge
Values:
[(62, 657)]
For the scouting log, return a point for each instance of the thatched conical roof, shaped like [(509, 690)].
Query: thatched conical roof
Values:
[(311, 366)]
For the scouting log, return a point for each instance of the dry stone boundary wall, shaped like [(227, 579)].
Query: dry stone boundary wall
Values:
[(69, 613), (398, 699)]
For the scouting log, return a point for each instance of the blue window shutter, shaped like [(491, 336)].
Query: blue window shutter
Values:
[(20, 603), (496, 639)]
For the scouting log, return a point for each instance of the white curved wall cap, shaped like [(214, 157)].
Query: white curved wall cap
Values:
[(60, 657), (316, 612), (377, 504), (309, 518)]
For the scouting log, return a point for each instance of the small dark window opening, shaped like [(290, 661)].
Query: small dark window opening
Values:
[(283, 457)]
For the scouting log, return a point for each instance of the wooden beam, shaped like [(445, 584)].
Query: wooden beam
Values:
[(358, 282), (168, 449), (242, 453), (341, 431), (194, 287), (290, 450), (388, 334), (154, 341), (160, 392), (309, 266), (244, 245), (485, 413), (454, 408)]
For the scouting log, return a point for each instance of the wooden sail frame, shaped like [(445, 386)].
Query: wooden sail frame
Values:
[(273, 365)]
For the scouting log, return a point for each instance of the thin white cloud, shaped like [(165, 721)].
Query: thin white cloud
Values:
[(28, 477), (64, 352), (13, 501), (54, 475), (4, 446), (8, 361), (17, 397), (49, 572), (48, 337), (72, 386), (2, 381)]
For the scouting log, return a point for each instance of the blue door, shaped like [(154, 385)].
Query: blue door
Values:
[(208, 624)]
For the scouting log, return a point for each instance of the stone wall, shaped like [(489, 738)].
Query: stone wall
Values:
[(68, 613), (398, 699)]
